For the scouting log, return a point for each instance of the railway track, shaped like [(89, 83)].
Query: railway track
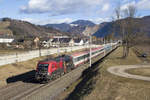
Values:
[(9, 91), (51, 90), (9, 86), (33, 91), (25, 91), (18, 90), (13, 85)]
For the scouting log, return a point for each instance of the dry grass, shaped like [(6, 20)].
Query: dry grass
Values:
[(10, 70), (144, 49), (4, 28), (140, 71), (111, 87), (8, 31), (13, 51), (4, 24)]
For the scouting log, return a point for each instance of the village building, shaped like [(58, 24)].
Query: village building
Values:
[(62, 42), (46, 42), (6, 40), (86, 41), (36, 42), (78, 42)]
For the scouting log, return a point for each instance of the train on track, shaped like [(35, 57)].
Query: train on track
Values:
[(52, 68)]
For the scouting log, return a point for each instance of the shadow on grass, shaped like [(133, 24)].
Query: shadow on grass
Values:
[(27, 77), (87, 83)]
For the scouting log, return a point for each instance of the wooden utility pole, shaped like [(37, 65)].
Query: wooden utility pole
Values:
[(90, 51), (58, 47)]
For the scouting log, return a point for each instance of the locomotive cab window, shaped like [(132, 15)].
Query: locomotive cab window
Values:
[(43, 65)]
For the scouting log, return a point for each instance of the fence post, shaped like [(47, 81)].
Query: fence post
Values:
[(16, 57), (104, 48), (39, 52), (111, 46)]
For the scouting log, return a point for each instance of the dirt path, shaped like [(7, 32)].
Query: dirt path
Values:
[(121, 71)]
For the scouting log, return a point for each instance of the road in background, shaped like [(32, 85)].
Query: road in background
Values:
[(121, 71)]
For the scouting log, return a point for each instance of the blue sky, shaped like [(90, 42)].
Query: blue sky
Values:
[(59, 11)]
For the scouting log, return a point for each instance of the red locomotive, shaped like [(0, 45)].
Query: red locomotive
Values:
[(49, 69)]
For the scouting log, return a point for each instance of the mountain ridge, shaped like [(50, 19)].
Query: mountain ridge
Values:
[(76, 27), (20, 28), (13, 27), (106, 28)]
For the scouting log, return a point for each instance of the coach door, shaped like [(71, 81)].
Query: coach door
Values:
[(53, 67)]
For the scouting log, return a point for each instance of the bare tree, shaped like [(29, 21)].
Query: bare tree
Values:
[(120, 27), (128, 27)]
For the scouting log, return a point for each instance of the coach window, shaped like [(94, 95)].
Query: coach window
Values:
[(88, 55), (79, 58), (82, 57), (75, 60)]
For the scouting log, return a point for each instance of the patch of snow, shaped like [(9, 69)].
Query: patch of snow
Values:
[(73, 25)]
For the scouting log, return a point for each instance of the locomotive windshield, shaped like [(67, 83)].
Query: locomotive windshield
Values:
[(43, 65)]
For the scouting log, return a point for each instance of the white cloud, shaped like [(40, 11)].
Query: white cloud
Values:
[(48, 21), (125, 1), (100, 20), (64, 20), (59, 7), (105, 7), (141, 5), (125, 6), (28, 19)]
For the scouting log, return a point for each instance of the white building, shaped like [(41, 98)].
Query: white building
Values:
[(78, 42), (6, 40)]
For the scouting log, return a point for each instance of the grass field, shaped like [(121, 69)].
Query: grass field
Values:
[(140, 71), (4, 28), (144, 49), (9, 52), (10, 70), (101, 85), (4, 25)]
